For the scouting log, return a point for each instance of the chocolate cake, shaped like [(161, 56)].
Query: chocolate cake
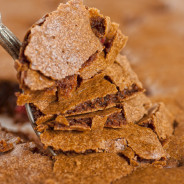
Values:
[(90, 106), (80, 106)]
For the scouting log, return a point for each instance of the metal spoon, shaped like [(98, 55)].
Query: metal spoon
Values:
[(12, 45)]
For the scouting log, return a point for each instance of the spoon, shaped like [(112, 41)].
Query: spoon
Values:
[(12, 45)]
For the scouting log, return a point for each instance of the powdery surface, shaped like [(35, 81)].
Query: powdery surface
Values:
[(60, 46), (91, 168), (22, 164), (170, 176)]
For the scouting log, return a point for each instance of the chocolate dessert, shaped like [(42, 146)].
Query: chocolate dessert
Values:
[(85, 96), (89, 105)]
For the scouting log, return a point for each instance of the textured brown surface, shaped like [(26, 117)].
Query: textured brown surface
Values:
[(175, 148), (96, 120), (88, 90), (161, 120), (5, 147), (36, 81), (22, 164), (81, 49), (155, 49), (91, 168), (142, 140), (40, 99), (122, 74), (57, 32), (129, 111), (115, 85), (153, 175), (91, 90), (136, 108)]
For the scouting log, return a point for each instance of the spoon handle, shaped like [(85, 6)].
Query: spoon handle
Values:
[(9, 41)]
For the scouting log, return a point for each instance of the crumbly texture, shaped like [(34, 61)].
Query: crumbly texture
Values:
[(161, 120), (79, 77), (160, 140), (91, 168), (5, 146), (84, 95), (63, 43), (21, 161), (36, 81), (136, 108), (116, 117), (98, 141)]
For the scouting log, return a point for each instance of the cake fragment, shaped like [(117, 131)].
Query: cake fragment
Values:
[(136, 108), (161, 121), (131, 156), (101, 141), (131, 111), (65, 40), (99, 24), (35, 81), (121, 74), (5, 147), (112, 118), (91, 168), (84, 95), (91, 121), (82, 142), (40, 99)]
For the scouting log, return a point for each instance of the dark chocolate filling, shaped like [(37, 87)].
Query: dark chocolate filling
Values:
[(67, 84), (103, 102), (36, 112), (108, 44), (98, 26), (116, 120)]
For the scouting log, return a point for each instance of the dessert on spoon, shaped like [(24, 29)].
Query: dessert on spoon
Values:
[(83, 95)]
